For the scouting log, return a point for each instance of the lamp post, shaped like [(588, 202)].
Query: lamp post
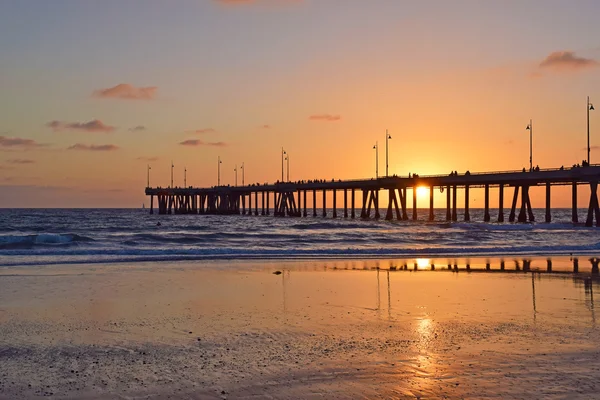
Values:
[(530, 129), (282, 153), (184, 177), (590, 107), (219, 171), (242, 174), (235, 169), (172, 166), (287, 158), (148, 182), (387, 138), (376, 148)]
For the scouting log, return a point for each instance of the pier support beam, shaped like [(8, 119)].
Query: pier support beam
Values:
[(593, 209), (448, 204), (486, 211), (511, 216), (334, 203), (353, 214), (574, 216), (376, 194), (305, 214), (324, 203), (548, 210), (262, 203), (345, 203), (454, 214), (467, 215), (431, 216), (255, 203), (414, 208), (314, 203), (151, 204), (501, 203), (268, 205)]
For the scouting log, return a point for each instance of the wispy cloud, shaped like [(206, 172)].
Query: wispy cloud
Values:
[(92, 126), (127, 91), (18, 142), (325, 117), (148, 159), (203, 131), (196, 142), (567, 61), (20, 161), (265, 127), (93, 147), (138, 128)]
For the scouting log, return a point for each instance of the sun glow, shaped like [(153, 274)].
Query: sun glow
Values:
[(422, 192)]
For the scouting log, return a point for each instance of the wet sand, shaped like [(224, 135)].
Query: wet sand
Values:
[(320, 329)]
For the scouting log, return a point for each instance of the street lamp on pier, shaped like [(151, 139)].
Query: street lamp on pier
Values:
[(172, 166), (376, 148), (530, 129), (242, 167), (148, 172), (287, 158), (387, 138), (219, 171), (184, 177), (235, 169), (590, 107), (282, 153)]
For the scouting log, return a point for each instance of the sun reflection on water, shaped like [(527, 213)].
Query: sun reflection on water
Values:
[(423, 263)]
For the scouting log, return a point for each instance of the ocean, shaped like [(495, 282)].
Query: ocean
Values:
[(82, 236)]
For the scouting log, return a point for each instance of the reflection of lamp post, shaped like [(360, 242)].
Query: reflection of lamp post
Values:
[(184, 177), (376, 148), (235, 169), (282, 153), (148, 184), (590, 107), (287, 158), (219, 171), (387, 138), (242, 167), (530, 129), (172, 166)]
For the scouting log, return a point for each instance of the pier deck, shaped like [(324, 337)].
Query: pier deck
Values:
[(290, 198)]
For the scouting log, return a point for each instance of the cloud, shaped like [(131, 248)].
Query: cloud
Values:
[(325, 117), (92, 126), (93, 147), (138, 128), (203, 131), (20, 161), (147, 159), (196, 142), (18, 142), (127, 92), (567, 61)]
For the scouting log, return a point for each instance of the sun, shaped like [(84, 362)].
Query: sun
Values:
[(422, 192)]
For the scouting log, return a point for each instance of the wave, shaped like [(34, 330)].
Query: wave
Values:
[(28, 241)]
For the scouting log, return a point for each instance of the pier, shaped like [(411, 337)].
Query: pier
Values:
[(291, 198)]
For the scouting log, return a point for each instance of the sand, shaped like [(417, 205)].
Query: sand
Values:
[(320, 329)]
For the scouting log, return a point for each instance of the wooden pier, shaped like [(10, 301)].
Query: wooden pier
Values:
[(290, 198)]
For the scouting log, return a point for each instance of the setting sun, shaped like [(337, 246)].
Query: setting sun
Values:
[(422, 192)]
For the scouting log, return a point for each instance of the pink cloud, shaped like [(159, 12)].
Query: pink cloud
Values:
[(203, 131), (567, 61), (127, 92), (147, 159), (91, 126), (18, 142), (93, 147), (325, 117), (138, 128), (196, 142), (21, 161)]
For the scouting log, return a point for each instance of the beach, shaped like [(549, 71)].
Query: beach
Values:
[(259, 329)]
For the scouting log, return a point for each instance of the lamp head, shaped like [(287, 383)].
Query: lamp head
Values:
[(591, 107), (528, 127), (389, 136)]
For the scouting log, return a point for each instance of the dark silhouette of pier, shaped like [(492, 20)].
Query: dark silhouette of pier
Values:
[(290, 198)]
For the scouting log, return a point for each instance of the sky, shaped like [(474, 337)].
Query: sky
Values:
[(94, 92)]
